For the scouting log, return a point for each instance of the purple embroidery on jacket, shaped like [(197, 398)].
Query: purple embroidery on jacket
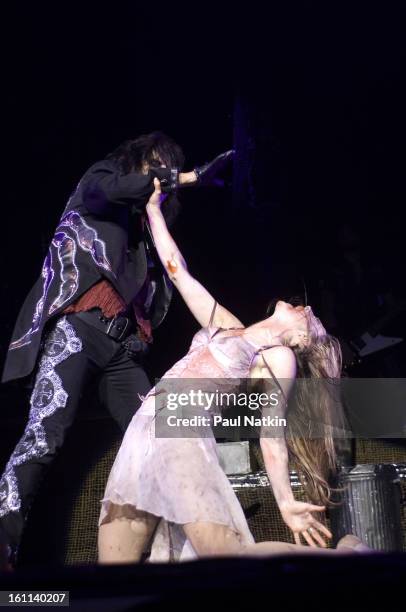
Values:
[(47, 274), (69, 273), (87, 239)]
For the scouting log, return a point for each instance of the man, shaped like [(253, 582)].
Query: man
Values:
[(90, 314)]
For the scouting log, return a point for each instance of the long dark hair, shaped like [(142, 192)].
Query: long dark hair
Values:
[(152, 149), (131, 155)]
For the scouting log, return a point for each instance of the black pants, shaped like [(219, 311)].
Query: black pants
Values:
[(74, 355)]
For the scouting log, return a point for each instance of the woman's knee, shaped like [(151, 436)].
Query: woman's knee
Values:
[(211, 539), (124, 534)]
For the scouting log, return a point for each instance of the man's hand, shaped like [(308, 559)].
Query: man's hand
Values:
[(298, 516), (207, 174)]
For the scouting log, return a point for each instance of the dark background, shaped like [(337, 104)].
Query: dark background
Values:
[(311, 94)]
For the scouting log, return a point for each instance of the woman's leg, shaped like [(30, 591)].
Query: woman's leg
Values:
[(265, 549), (125, 534), (347, 544), (212, 539)]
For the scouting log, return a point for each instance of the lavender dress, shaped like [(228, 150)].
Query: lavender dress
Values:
[(180, 479)]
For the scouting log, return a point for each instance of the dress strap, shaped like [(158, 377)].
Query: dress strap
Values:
[(276, 381), (212, 313)]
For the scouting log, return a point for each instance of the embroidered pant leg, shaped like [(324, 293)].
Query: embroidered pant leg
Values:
[(62, 372), (73, 353)]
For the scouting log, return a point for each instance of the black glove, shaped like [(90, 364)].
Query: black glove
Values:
[(135, 347), (168, 177), (207, 174)]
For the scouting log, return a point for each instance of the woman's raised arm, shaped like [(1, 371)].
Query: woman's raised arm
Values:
[(198, 299)]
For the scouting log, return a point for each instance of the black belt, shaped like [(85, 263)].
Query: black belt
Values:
[(118, 328)]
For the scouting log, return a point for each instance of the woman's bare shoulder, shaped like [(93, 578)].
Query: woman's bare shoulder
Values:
[(281, 359)]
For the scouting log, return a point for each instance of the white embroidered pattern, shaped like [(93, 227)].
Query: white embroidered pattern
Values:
[(47, 397)]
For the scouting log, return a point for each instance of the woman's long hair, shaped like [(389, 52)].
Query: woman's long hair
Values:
[(152, 149), (315, 416)]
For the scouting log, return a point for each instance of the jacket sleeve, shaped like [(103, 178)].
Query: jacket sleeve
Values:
[(106, 186)]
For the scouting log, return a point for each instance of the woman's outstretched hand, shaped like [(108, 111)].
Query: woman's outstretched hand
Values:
[(298, 516), (157, 197)]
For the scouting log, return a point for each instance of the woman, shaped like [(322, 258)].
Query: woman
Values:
[(171, 493)]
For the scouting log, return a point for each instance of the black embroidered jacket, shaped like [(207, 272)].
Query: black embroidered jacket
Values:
[(99, 235)]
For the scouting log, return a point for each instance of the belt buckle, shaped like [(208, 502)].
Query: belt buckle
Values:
[(112, 325)]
